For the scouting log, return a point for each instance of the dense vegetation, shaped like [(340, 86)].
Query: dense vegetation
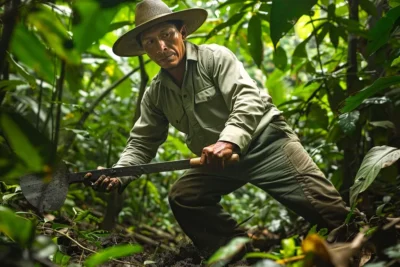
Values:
[(330, 65)]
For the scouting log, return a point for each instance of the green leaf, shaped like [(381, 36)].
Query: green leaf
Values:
[(383, 124), (369, 7), (19, 229), (254, 39), (280, 58), (348, 121), (261, 255), (61, 259), (377, 158), (288, 247), (225, 253), (33, 55), (300, 50), (317, 117), (354, 101), (21, 71), (395, 62), (10, 84), (334, 36), (90, 22), (394, 3), (112, 253), (380, 33), (284, 14), (20, 143), (55, 34), (230, 22)]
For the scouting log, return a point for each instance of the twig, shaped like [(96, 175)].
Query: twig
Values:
[(88, 249), (149, 241)]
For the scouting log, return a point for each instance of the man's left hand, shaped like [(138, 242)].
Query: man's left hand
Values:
[(216, 154)]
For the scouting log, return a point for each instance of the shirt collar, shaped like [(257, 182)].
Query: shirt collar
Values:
[(165, 79)]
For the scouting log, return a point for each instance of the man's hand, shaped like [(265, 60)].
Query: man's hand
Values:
[(104, 183), (216, 154)]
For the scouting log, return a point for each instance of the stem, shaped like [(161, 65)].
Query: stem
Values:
[(39, 103), (59, 90), (319, 54)]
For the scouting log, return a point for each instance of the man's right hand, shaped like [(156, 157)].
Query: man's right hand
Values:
[(104, 183)]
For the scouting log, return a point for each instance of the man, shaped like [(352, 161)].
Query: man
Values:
[(204, 91)]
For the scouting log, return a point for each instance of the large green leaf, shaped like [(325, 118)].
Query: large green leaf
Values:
[(377, 158), (55, 34), (354, 101), (380, 33), (348, 121), (112, 253), (280, 58), (254, 39), (19, 229), (225, 253), (20, 143), (91, 22), (284, 14), (30, 51)]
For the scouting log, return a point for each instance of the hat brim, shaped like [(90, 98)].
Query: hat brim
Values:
[(127, 45)]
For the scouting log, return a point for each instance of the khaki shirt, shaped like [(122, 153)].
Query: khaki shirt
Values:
[(218, 101)]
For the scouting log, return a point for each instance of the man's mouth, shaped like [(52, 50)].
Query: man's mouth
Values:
[(166, 57)]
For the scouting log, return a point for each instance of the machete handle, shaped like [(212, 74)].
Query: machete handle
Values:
[(195, 162)]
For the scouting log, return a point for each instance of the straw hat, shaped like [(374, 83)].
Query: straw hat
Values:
[(149, 13)]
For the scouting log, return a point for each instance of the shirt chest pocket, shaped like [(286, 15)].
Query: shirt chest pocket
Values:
[(210, 108)]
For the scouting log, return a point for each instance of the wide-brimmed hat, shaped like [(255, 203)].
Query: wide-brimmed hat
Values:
[(149, 13)]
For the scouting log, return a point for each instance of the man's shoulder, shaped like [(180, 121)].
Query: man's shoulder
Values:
[(213, 48)]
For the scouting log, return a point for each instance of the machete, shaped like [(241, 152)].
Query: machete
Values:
[(49, 193)]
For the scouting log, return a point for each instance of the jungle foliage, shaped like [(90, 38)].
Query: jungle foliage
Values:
[(331, 66)]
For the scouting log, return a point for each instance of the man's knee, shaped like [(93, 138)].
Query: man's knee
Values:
[(182, 194)]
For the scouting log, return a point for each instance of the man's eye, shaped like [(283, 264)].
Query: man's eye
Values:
[(149, 42)]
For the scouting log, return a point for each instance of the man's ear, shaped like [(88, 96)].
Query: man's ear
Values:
[(183, 31)]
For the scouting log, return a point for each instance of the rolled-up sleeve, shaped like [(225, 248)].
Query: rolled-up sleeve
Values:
[(241, 95), (148, 133)]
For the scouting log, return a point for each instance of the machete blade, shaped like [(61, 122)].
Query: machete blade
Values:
[(46, 196)]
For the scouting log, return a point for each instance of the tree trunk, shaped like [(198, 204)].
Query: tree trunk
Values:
[(351, 143), (115, 200)]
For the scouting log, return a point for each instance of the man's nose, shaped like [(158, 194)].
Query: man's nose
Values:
[(162, 46)]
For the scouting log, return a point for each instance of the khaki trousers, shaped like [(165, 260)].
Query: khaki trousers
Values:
[(277, 163)]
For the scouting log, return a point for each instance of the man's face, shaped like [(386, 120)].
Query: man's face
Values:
[(164, 44)]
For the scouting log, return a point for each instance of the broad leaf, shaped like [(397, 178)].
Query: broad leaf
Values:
[(348, 121), (369, 7), (377, 158), (280, 58), (380, 33), (90, 22), (112, 253), (55, 34), (354, 101), (225, 253), (20, 143), (285, 13), (33, 55), (254, 39), (19, 229)]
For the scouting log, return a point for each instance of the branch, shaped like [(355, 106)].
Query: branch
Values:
[(144, 78)]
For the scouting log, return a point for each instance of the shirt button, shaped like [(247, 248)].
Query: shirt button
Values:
[(177, 121), (184, 96)]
